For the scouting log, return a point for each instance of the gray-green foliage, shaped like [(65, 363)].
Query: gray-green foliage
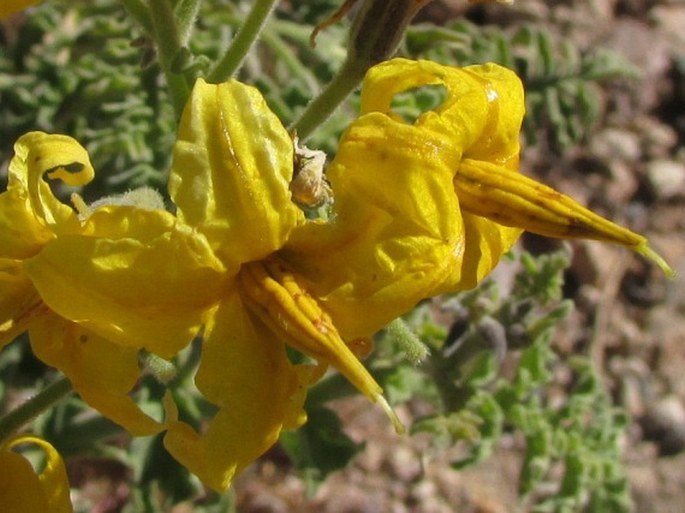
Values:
[(493, 373), (72, 69), (563, 99), (570, 427), (76, 68), (83, 68)]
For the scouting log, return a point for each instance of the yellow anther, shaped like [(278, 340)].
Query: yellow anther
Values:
[(512, 199), (272, 292)]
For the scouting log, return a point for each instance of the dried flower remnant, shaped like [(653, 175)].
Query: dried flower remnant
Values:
[(309, 186)]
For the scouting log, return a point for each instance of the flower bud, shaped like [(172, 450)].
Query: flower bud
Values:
[(378, 28)]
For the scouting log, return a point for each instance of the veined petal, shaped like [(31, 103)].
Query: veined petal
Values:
[(23, 489), (102, 372), (245, 372), (397, 236), (136, 277), (233, 162)]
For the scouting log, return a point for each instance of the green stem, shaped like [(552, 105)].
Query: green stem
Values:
[(242, 42), (298, 33), (139, 12), (187, 366), (285, 54), (321, 107), (169, 45), (42, 401), (375, 35), (186, 12)]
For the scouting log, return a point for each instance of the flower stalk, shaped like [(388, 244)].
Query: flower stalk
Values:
[(42, 401), (243, 41), (375, 35), (335, 92), (169, 44), (139, 12)]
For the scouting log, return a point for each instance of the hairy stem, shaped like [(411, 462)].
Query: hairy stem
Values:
[(42, 401), (243, 41), (168, 39), (335, 92), (139, 12)]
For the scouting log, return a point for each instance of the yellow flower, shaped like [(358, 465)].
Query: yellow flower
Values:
[(241, 263), (23, 489), (401, 234), (31, 219), (146, 279), (431, 206), (9, 7)]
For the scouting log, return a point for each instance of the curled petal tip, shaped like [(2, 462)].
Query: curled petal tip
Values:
[(396, 422), (652, 255)]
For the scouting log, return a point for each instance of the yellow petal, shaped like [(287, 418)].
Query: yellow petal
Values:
[(136, 277), (482, 111), (397, 235), (245, 372), (233, 162), (20, 488), (19, 301), (22, 232), (39, 155), (103, 373), (498, 138), (486, 242), (23, 489), (384, 81)]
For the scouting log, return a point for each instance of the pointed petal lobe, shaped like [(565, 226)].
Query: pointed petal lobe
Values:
[(245, 372), (103, 373)]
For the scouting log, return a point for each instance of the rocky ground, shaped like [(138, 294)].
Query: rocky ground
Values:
[(628, 317)]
